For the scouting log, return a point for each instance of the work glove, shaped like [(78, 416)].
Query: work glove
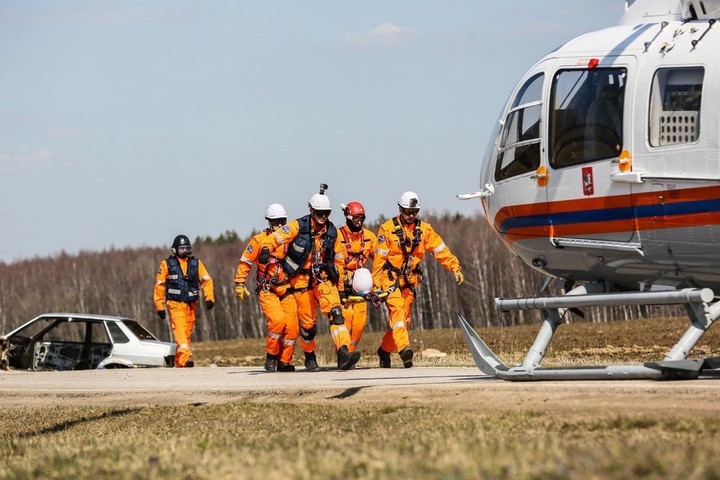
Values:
[(209, 304), (241, 291), (264, 256), (161, 314), (459, 277), (373, 298)]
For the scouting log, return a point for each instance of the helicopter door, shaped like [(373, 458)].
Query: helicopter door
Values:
[(588, 129), (517, 210)]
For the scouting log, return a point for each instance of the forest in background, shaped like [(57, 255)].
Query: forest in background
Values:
[(120, 282)]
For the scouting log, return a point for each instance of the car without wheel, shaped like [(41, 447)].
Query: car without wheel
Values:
[(77, 341)]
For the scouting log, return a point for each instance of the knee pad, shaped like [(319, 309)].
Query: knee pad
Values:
[(309, 334), (337, 316)]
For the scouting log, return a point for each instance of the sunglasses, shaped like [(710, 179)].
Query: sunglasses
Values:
[(357, 218), (276, 222), (322, 213), (410, 211)]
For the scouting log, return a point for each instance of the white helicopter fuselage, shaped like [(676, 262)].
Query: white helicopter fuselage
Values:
[(606, 161)]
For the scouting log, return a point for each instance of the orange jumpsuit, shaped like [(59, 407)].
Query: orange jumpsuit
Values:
[(276, 299), (358, 248), (310, 290), (182, 314), (396, 264)]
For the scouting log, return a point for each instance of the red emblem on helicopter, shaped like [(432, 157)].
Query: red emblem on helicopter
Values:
[(587, 181)]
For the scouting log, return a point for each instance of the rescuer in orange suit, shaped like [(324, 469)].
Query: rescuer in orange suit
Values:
[(402, 244), (359, 244), (314, 263), (274, 292), (177, 286)]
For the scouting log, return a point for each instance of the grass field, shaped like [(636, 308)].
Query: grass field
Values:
[(458, 434)]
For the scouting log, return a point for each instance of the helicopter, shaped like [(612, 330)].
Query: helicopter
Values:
[(603, 172)]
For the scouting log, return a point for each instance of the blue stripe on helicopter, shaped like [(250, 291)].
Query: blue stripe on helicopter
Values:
[(610, 214)]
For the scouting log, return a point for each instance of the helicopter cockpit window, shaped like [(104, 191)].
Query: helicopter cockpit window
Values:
[(586, 117), (519, 148), (675, 106)]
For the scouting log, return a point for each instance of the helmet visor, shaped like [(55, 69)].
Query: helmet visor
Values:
[(322, 213), (409, 211)]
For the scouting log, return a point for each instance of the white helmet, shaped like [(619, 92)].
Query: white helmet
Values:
[(275, 211), (409, 200), (320, 201), (362, 281)]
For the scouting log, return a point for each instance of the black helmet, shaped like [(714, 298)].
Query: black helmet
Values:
[(180, 241)]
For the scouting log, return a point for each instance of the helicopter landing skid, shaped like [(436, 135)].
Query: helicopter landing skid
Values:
[(674, 366)]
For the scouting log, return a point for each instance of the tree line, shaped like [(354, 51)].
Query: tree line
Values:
[(120, 282)]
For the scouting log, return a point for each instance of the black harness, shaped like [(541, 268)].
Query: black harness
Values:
[(408, 245)]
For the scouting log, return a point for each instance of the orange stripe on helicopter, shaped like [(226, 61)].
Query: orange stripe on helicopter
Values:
[(620, 213)]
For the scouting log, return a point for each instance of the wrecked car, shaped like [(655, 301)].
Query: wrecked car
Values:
[(75, 341)]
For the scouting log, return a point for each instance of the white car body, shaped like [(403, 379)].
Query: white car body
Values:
[(75, 341)]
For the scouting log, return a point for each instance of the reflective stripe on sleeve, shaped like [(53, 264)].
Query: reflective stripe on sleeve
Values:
[(439, 248), (206, 277), (379, 251), (245, 260), (397, 325)]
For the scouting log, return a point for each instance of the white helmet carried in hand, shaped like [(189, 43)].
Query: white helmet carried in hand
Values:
[(320, 201), (409, 200), (275, 211), (362, 281)]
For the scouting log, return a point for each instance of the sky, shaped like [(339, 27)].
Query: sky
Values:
[(125, 122)]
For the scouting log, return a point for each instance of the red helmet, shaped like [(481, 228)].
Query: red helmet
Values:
[(354, 208)]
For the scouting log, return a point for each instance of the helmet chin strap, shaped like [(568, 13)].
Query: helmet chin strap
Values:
[(405, 221), (319, 220), (352, 226)]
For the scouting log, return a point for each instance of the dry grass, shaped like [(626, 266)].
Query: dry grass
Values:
[(248, 440)]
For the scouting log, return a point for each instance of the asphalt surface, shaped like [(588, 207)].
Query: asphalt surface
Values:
[(444, 387), (218, 379)]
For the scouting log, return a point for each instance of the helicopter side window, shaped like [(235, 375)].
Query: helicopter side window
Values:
[(519, 148), (675, 101), (586, 118)]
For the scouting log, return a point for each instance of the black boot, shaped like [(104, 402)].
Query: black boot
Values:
[(406, 354), (270, 362), (384, 358), (346, 359), (285, 367), (311, 364)]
